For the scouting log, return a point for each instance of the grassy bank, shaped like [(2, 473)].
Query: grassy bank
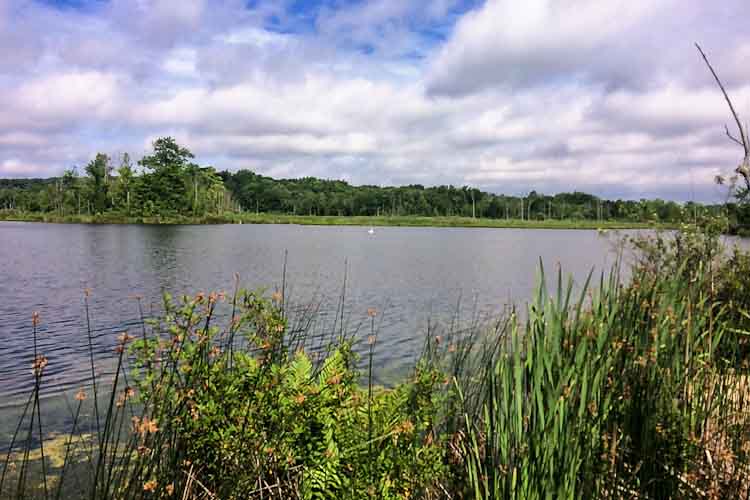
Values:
[(266, 218), (626, 390)]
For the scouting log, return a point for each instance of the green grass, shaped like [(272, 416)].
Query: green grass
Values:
[(314, 220)]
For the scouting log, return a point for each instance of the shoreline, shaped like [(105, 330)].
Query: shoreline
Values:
[(319, 220), (316, 220)]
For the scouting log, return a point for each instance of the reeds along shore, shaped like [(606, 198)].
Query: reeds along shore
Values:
[(635, 389)]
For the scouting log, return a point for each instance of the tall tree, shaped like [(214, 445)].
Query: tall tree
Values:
[(164, 184), (125, 178), (97, 171)]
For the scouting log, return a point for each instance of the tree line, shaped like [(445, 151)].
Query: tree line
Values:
[(163, 183), (312, 196), (167, 182)]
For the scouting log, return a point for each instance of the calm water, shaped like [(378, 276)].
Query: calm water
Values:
[(407, 274)]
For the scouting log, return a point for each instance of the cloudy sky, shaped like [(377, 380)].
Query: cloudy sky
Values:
[(608, 97)]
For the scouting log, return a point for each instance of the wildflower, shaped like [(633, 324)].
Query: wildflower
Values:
[(80, 395), (38, 365), (215, 351), (127, 393), (124, 338), (144, 426), (372, 312), (334, 379), (276, 297), (438, 339), (280, 327), (212, 298), (299, 399), (149, 485), (371, 339), (87, 292), (149, 425), (35, 318)]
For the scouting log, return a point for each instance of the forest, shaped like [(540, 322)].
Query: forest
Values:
[(167, 183)]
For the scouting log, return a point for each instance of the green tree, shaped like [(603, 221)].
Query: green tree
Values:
[(125, 180), (164, 183), (97, 171)]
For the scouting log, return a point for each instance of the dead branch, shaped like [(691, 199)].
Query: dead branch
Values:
[(744, 168), (729, 134)]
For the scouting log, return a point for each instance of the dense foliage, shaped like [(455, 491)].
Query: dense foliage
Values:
[(165, 183), (311, 196), (168, 184)]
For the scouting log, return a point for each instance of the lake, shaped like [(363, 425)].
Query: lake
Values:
[(410, 275)]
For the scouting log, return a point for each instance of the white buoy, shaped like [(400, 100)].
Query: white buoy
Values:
[(371, 231)]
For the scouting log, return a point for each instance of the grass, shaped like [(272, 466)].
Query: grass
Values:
[(634, 389), (268, 218)]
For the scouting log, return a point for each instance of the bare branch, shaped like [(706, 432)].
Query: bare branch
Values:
[(729, 134), (744, 142)]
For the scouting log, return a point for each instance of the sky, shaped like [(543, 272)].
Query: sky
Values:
[(608, 97)]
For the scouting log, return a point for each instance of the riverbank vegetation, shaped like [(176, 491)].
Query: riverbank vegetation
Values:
[(326, 220), (168, 187), (621, 389)]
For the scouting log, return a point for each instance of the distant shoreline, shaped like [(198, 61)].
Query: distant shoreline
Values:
[(314, 220)]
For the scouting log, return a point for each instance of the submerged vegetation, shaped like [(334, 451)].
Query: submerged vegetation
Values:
[(621, 389)]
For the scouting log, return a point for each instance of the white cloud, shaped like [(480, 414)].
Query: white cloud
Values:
[(546, 95)]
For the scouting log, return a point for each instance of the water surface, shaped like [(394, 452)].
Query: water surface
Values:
[(407, 274)]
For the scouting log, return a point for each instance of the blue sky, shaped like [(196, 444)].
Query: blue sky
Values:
[(552, 95)]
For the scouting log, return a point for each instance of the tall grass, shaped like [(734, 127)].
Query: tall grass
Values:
[(611, 389)]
